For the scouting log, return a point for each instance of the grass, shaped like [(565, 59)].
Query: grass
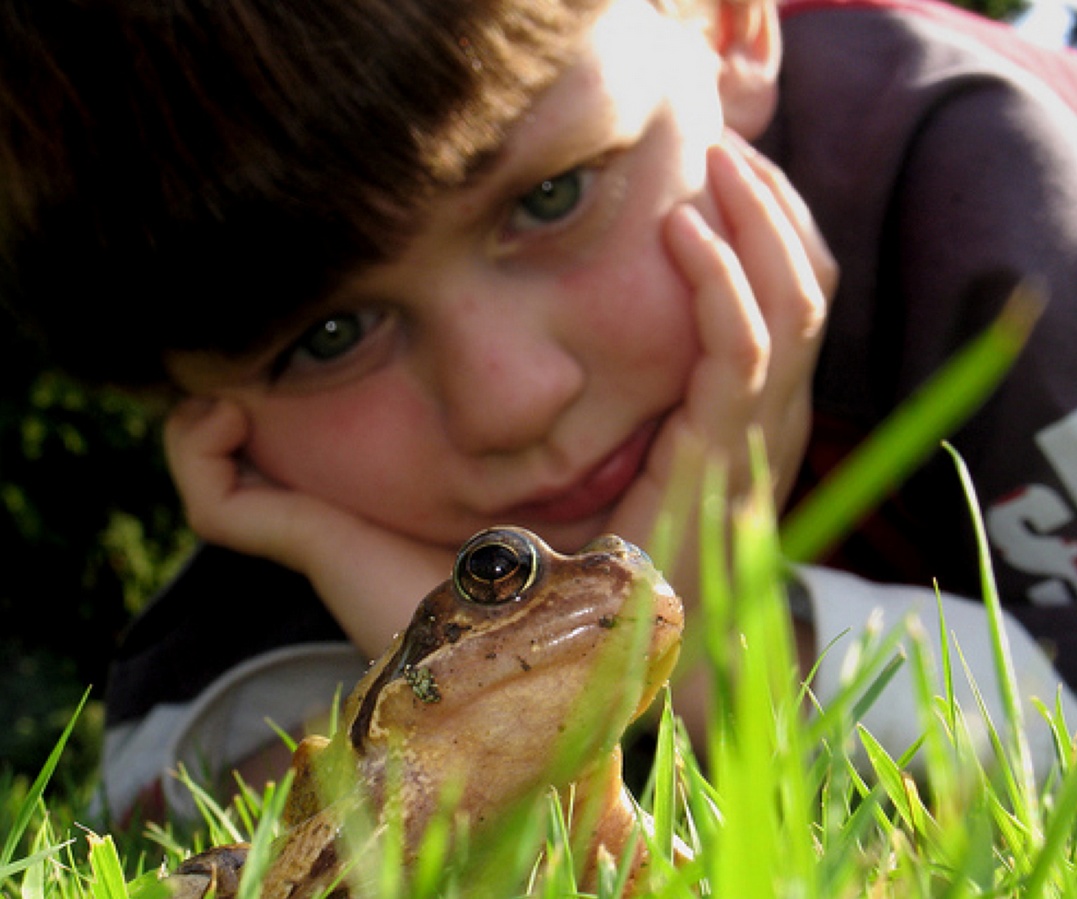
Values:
[(776, 806)]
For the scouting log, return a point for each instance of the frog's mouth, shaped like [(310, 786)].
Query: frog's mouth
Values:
[(418, 644)]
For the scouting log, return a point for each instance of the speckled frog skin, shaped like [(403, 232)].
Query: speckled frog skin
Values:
[(521, 646)]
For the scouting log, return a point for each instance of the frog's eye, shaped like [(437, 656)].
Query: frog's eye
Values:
[(495, 567)]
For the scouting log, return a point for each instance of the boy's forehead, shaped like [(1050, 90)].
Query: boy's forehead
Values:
[(607, 47), (598, 81)]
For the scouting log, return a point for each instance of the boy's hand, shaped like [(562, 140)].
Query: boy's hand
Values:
[(761, 279), (229, 503)]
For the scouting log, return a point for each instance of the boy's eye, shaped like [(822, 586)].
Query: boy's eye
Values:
[(551, 200), (332, 338)]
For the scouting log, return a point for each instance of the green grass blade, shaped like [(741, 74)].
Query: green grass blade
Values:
[(435, 850), (37, 790), (665, 783), (108, 880), (16, 867), (1016, 739), (756, 750), (261, 851), (221, 827), (33, 881), (1056, 721), (1054, 854)]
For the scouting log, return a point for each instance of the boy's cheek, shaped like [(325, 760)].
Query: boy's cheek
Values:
[(640, 309), (296, 442)]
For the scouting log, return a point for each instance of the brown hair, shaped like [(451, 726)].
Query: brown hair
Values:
[(182, 174)]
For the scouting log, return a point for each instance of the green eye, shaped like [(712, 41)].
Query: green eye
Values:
[(550, 200), (342, 341), (332, 337)]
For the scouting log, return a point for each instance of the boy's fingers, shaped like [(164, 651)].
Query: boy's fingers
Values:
[(796, 210), (730, 324), (738, 381), (201, 438), (226, 500), (776, 241), (728, 390), (203, 442)]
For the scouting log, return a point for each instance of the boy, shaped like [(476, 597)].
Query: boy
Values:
[(424, 269)]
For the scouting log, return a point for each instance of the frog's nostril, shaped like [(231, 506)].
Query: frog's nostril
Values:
[(611, 543), (607, 543), (495, 566)]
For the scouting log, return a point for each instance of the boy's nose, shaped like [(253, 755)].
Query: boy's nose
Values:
[(503, 376)]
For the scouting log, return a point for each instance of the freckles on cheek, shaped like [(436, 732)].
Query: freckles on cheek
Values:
[(642, 308), (330, 449), (300, 454)]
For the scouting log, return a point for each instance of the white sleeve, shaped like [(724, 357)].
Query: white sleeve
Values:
[(842, 605), (225, 724)]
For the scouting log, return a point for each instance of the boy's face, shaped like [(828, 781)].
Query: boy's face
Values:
[(516, 361)]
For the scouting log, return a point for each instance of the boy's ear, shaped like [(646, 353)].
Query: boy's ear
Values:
[(748, 39)]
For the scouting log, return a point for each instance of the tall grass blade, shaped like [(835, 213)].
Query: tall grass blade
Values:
[(22, 864), (33, 881), (261, 851), (755, 749), (665, 782), (1016, 738), (221, 827), (1055, 854), (108, 879), (37, 790)]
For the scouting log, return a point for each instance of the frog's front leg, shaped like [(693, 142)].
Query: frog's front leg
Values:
[(605, 809)]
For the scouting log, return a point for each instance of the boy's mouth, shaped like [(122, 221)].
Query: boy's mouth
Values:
[(596, 491)]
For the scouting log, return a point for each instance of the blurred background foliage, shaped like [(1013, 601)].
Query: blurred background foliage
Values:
[(90, 527)]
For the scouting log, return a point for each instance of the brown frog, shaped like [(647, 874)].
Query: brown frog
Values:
[(505, 668)]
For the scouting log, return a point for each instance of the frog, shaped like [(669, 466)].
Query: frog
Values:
[(475, 700)]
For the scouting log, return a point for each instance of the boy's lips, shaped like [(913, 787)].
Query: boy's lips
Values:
[(598, 489)]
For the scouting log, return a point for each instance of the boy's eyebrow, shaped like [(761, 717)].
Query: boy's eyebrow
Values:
[(481, 164)]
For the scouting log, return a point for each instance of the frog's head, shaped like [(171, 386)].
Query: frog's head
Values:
[(521, 645)]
